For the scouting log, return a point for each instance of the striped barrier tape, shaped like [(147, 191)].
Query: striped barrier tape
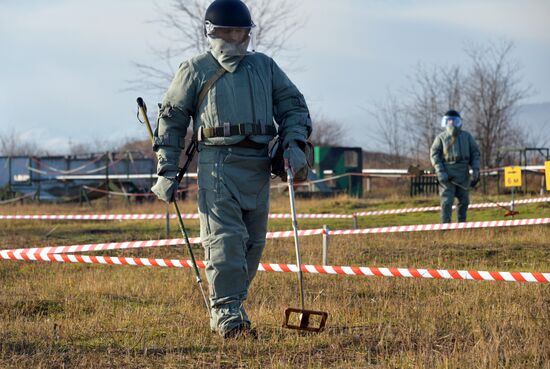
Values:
[(437, 208), (444, 226), (95, 216), (535, 277), (417, 227), (100, 246), (271, 216), (153, 216), (286, 234), (139, 244)]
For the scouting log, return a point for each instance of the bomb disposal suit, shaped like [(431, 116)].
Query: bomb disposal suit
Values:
[(233, 124), (453, 152)]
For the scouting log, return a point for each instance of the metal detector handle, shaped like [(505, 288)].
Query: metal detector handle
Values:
[(190, 152), (461, 186), (143, 110), (290, 178)]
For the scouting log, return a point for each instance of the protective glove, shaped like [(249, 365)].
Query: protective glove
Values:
[(296, 159), (475, 178), (166, 187), (443, 178)]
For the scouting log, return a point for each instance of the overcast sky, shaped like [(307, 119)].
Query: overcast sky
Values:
[(64, 64)]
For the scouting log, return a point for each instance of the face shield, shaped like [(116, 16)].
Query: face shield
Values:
[(450, 121), (231, 41)]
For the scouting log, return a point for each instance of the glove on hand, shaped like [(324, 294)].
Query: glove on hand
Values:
[(475, 178), (443, 178), (166, 187), (297, 161)]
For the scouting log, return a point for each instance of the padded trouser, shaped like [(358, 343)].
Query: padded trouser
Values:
[(233, 207), (448, 192)]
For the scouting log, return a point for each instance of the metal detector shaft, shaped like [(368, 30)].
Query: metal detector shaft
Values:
[(143, 110), (290, 179), (461, 186), (487, 199), (307, 319)]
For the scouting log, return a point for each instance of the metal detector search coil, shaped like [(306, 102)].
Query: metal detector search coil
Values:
[(300, 319)]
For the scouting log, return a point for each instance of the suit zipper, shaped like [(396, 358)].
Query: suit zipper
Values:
[(248, 72)]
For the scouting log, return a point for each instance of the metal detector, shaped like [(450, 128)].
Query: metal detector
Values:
[(142, 108), (301, 319), (509, 212)]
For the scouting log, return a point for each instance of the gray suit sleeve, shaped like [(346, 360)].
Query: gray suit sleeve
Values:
[(174, 117), (475, 155), (289, 107), (436, 156)]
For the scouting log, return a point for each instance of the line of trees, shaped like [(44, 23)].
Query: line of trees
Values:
[(488, 94), (16, 143), (182, 24)]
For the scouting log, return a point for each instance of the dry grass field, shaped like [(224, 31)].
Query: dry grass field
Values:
[(96, 316)]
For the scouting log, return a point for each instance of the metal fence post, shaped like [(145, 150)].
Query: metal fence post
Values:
[(369, 184), (167, 221), (355, 224), (325, 244), (107, 184)]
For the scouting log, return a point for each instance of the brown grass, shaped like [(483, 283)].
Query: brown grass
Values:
[(66, 316)]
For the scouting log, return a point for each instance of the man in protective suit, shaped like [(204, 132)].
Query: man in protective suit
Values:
[(453, 152), (234, 97)]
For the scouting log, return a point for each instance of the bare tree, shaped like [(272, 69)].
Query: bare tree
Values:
[(390, 122), (488, 93), (183, 22), (142, 146), (13, 143), (434, 91), (494, 92), (92, 145), (327, 132)]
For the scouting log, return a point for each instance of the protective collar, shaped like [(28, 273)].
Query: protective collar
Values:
[(453, 131), (229, 55)]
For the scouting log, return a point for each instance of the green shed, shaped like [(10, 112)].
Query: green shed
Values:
[(338, 162)]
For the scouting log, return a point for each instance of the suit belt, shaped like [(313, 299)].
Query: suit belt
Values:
[(248, 143), (244, 129)]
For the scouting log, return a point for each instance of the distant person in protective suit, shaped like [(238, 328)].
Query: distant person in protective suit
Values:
[(453, 152), (234, 97)]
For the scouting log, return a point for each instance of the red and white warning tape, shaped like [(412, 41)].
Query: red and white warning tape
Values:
[(445, 226), (437, 208), (417, 228), (535, 277), (153, 216), (284, 234), (99, 246), (271, 216), (311, 216), (95, 216)]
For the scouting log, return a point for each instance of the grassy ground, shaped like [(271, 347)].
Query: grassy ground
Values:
[(66, 316)]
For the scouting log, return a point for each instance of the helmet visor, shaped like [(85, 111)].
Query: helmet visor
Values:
[(449, 121), (231, 40)]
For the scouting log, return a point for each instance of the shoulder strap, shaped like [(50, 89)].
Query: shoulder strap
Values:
[(447, 147), (208, 85)]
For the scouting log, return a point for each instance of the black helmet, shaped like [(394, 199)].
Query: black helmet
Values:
[(228, 13), (452, 113)]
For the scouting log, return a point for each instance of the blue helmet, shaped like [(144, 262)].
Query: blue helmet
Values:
[(451, 118)]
